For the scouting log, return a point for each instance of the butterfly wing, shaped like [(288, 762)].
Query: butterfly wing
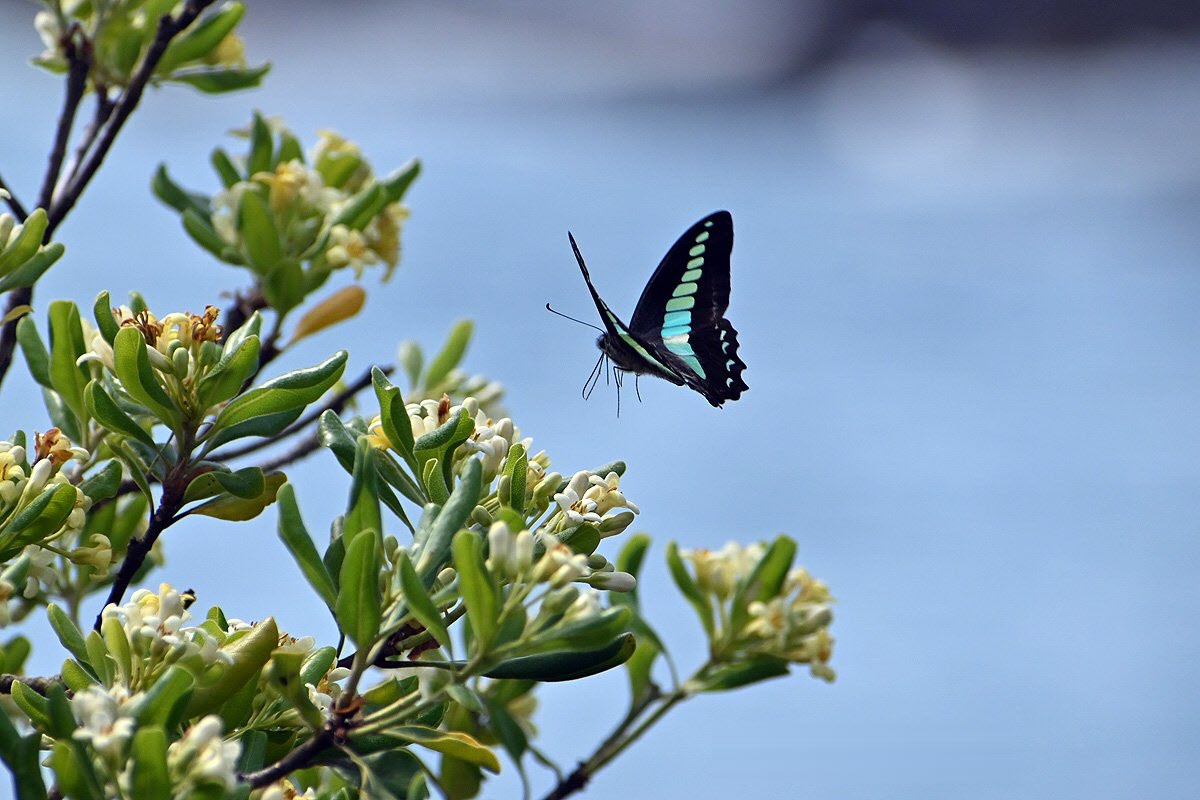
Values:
[(629, 351), (682, 310)]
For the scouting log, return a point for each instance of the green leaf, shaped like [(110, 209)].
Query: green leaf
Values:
[(28, 273), (452, 743), (67, 632), (288, 392), (265, 425), (66, 346), (105, 322), (284, 286), (45, 515), (451, 354), (218, 80), (246, 483), (420, 605), (587, 633), (62, 721), (396, 185), (25, 244), (223, 165), (393, 416), (567, 665), (21, 755), (517, 469), (105, 410), (764, 581), (36, 355), (249, 653), (201, 229), (362, 208), (691, 591), (479, 589), (232, 508), (103, 484), (744, 673), (75, 677), (436, 547), (364, 512), (298, 542), (261, 237), (176, 196), (162, 702), (74, 776), (412, 360), (630, 560), (201, 38), (139, 378), (36, 707), (358, 600), (149, 776)]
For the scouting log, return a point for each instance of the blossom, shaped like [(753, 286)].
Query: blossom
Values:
[(575, 507), (104, 718), (349, 247), (202, 758)]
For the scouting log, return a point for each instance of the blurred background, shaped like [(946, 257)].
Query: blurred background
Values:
[(965, 277)]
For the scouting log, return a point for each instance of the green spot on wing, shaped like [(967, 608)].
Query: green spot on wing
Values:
[(680, 303), (695, 263), (703, 237), (698, 250), (684, 289), (691, 275), (677, 318)]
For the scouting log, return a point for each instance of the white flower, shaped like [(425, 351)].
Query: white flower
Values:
[(560, 565), (203, 758), (606, 494), (613, 581), (348, 247), (104, 721), (575, 507)]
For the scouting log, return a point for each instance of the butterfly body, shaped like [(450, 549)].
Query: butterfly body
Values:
[(678, 331)]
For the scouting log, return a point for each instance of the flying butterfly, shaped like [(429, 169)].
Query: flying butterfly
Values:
[(678, 331)]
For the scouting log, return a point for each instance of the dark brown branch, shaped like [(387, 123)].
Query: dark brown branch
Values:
[(77, 49), (139, 548), (39, 685), (299, 758), (104, 107), (18, 210), (168, 28)]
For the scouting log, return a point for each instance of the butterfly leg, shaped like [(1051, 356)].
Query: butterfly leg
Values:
[(593, 378), (618, 380), (636, 387)]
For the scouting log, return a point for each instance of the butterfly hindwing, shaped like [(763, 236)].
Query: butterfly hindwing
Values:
[(681, 311)]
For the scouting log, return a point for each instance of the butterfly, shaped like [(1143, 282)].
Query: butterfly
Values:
[(678, 331)]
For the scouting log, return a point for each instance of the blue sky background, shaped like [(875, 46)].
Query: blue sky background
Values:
[(966, 285)]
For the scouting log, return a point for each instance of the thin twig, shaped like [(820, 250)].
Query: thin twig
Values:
[(299, 758), (168, 27), (139, 548), (39, 685), (77, 49), (18, 210), (104, 107)]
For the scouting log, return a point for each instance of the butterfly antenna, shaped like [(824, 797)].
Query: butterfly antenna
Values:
[(593, 378), (567, 316)]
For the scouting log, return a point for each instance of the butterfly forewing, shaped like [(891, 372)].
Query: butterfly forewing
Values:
[(682, 309)]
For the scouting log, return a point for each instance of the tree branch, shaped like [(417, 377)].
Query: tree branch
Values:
[(135, 555), (77, 49), (168, 28), (18, 210), (39, 685), (297, 759)]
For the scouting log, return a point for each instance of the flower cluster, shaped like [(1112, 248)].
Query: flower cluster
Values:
[(512, 557), (792, 625), (312, 204), (117, 33), (31, 568)]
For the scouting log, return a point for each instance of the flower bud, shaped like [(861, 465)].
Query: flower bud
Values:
[(614, 581), (447, 576), (596, 561), (481, 516), (180, 361)]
